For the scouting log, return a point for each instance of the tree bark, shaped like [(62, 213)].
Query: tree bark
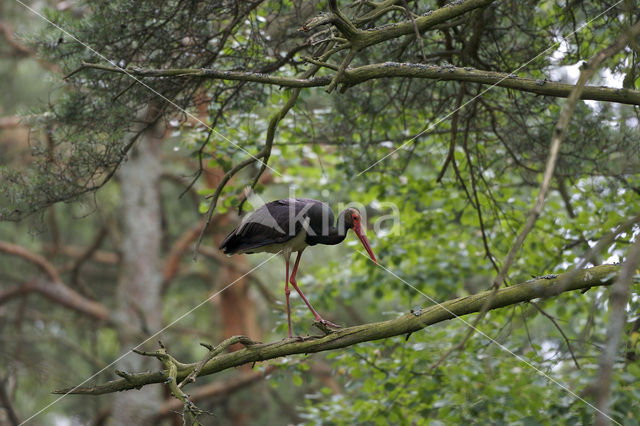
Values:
[(138, 295)]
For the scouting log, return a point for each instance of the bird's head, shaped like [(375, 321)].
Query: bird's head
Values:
[(353, 220)]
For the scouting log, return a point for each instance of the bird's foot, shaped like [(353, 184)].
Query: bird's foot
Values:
[(327, 327), (328, 323)]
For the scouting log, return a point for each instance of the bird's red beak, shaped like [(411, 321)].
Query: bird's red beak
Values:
[(363, 239)]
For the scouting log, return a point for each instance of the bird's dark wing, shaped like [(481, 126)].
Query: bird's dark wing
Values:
[(272, 223)]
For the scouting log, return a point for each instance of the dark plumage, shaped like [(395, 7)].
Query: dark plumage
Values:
[(271, 224), (289, 225)]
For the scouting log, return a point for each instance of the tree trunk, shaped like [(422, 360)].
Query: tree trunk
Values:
[(139, 302)]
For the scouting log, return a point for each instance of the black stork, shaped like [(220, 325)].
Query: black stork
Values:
[(289, 225)]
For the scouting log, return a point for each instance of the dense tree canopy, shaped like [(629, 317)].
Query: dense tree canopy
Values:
[(487, 141)]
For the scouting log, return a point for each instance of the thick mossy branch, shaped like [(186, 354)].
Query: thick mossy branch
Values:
[(355, 76), (377, 35), (360, 39), (533, 289)]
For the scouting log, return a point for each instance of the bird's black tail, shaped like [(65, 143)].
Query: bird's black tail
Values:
[(229, 246)]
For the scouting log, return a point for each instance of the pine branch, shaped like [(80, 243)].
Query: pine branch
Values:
[(543, 287)]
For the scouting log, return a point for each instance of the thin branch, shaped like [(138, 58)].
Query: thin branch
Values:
[(478, 206), (557, 326), (319, 63), (325, 52), (100, 256), (200, 165), (271, 133), (378, 10), (416, 29), (454, 132), (214, 199), (341, 70), (599, 276), (172, 260)]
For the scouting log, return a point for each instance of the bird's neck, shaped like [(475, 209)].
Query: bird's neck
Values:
[(335, 236)]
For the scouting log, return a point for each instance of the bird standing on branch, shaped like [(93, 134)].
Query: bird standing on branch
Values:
[(290, 225)]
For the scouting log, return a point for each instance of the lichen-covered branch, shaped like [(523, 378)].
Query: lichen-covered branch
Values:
[(189, 409), (214, 389), (355, 76), (213, 352), (360, 39), (529, 290)]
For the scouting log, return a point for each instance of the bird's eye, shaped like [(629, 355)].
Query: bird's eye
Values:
[(355, 218)]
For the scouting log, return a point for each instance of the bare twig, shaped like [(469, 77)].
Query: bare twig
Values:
[(341, 70), (557, 326), (478, 206), (216, 195), (416, 29), (454, 132), (172, 260)]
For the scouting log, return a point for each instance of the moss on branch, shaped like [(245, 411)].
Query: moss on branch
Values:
[(533, 289)]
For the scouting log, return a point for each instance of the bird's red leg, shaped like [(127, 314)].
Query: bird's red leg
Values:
[(286, 293), (293, 282)]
